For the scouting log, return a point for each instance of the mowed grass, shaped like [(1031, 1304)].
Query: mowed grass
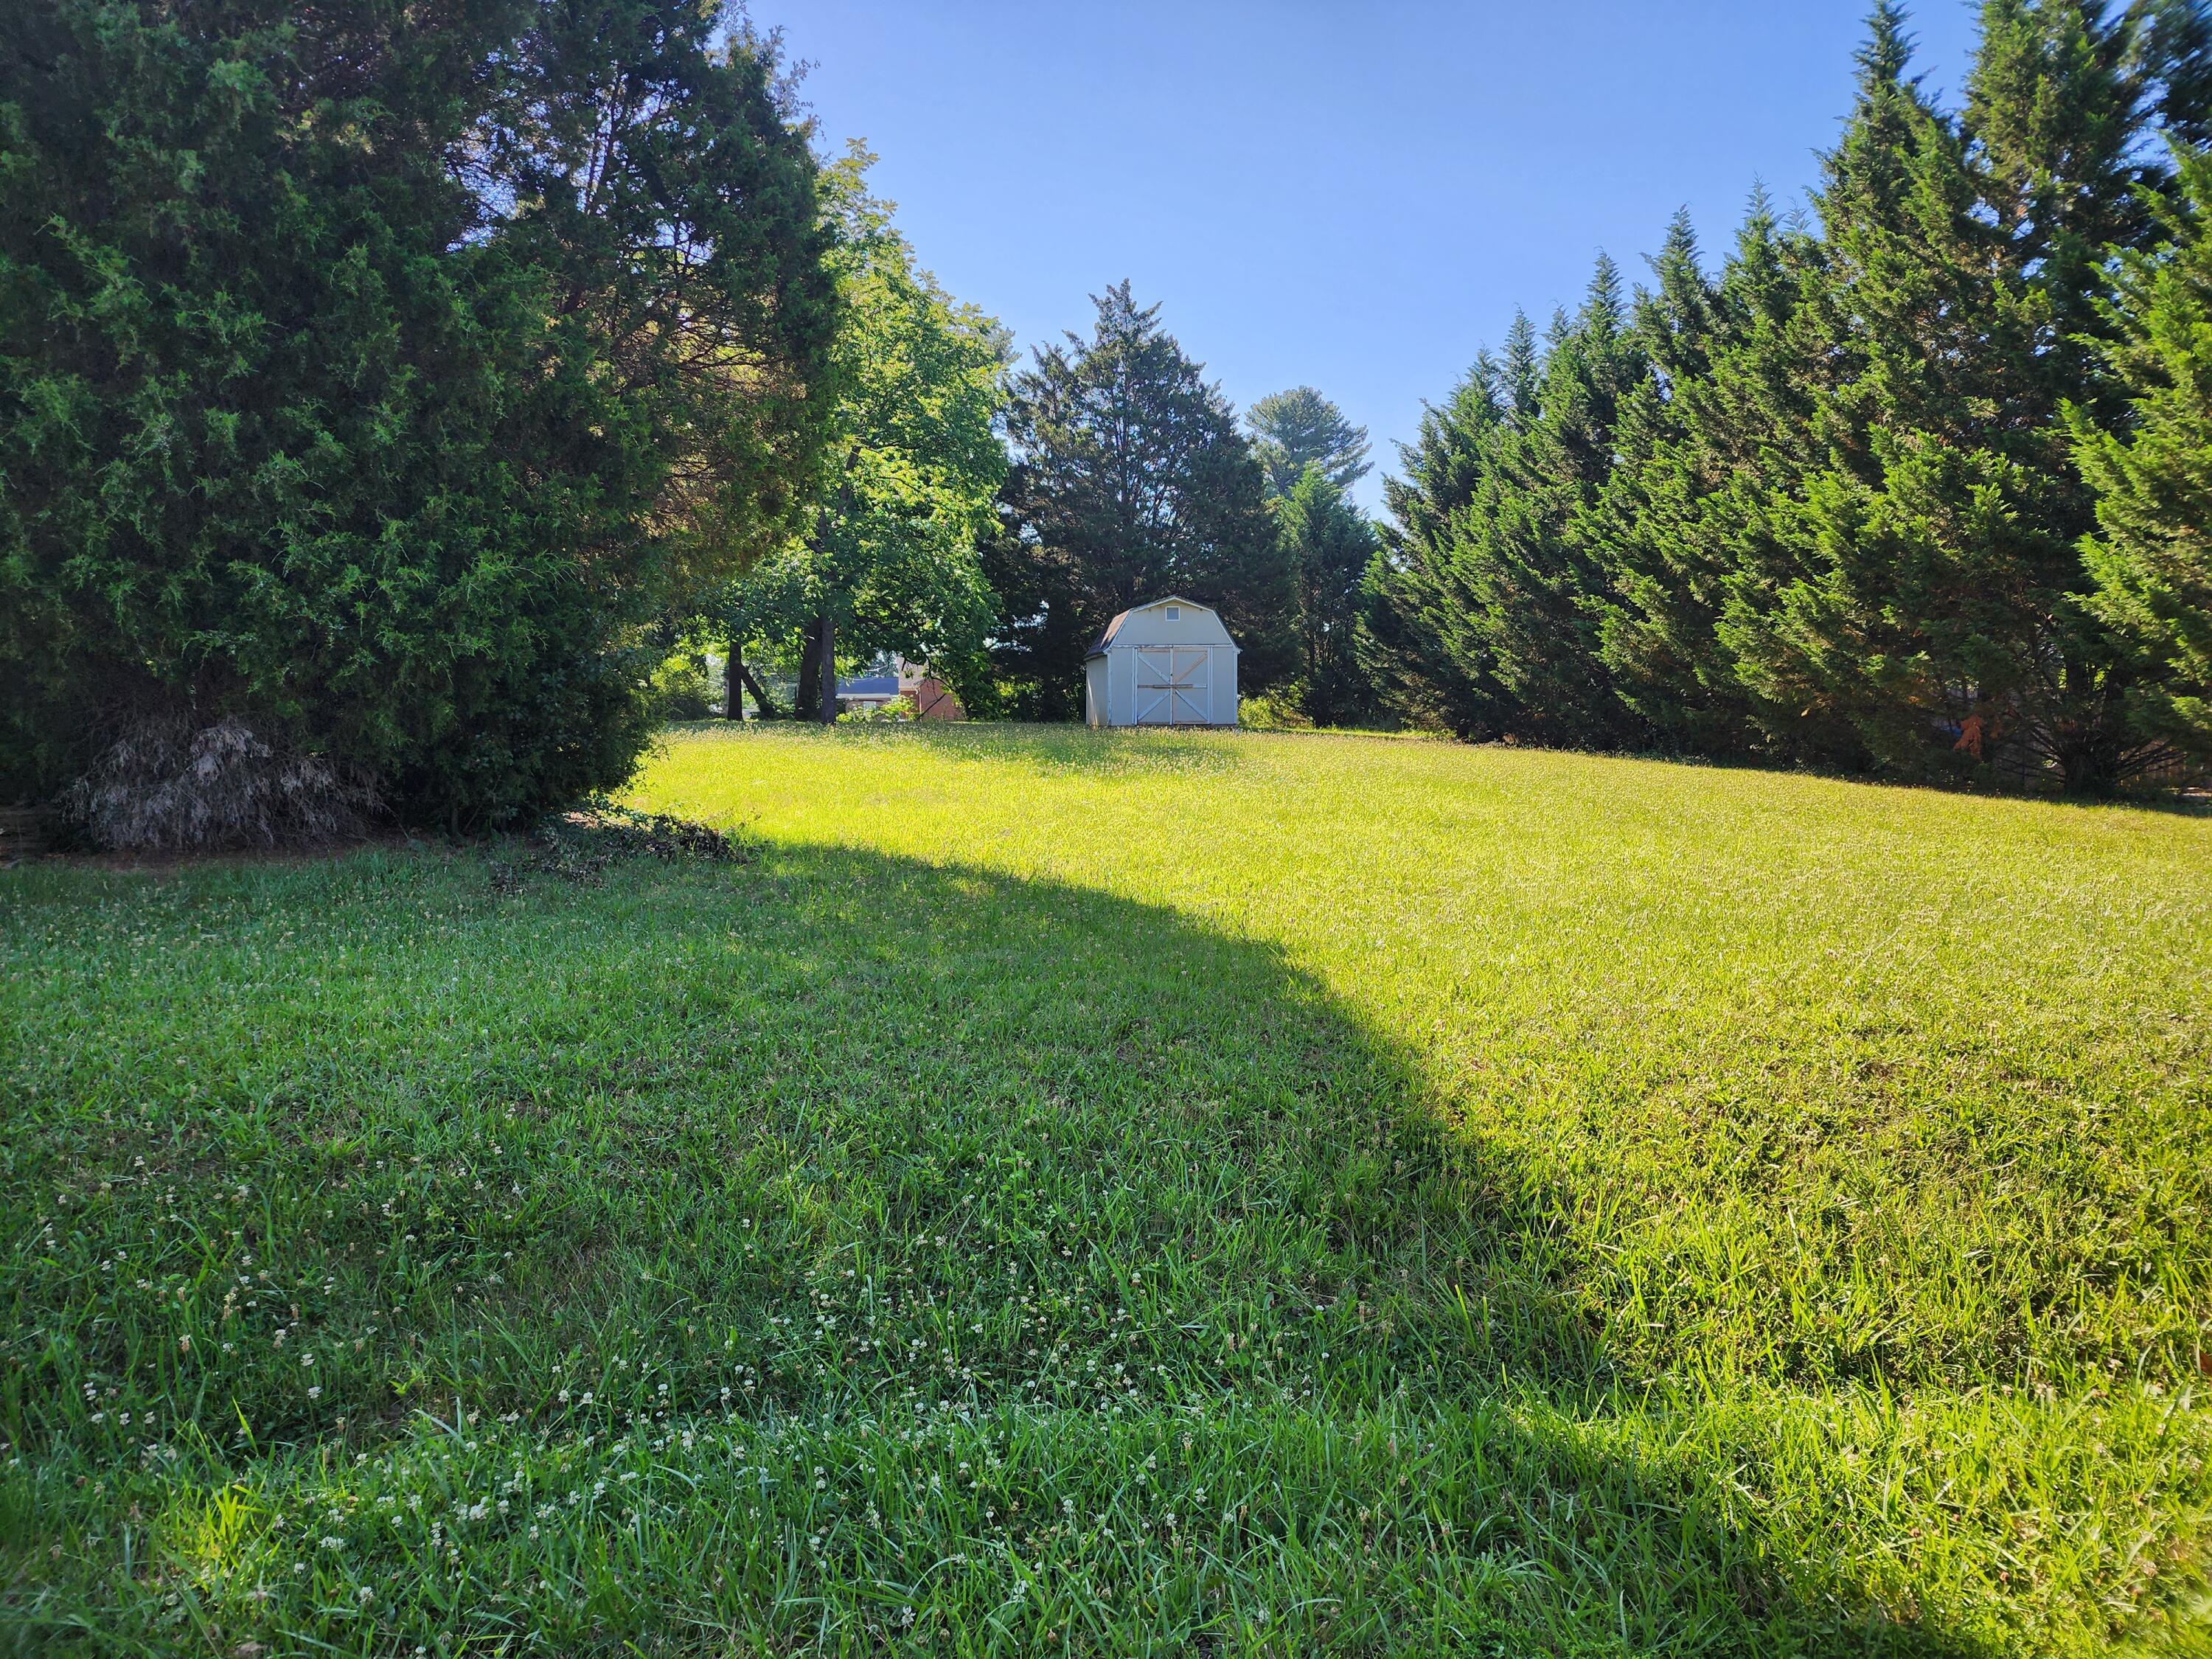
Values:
[(1119, 1194)]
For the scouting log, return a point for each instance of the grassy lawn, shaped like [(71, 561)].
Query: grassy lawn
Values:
[(1125, 1193)]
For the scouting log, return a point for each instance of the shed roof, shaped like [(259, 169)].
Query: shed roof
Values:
[(1109, 635)]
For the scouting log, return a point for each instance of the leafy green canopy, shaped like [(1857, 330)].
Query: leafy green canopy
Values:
[(1295, 430), (374, 373), (912, 469), (1130, 482)]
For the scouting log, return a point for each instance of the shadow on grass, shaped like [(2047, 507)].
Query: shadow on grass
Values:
[(830, 1140)]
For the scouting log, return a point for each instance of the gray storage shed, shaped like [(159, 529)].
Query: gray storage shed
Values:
[(1168, 663)]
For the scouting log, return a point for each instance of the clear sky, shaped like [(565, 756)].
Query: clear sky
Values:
[(1350, 196)]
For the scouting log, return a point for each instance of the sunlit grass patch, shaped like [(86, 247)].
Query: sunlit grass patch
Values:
[(1490, 1202)]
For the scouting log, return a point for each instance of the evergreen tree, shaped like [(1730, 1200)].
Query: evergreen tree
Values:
[(1654, 632), (1937, 598), (1418, 645), (373, 375), (1295, 430), (1498, 595), (1545, 592), (1686, 524), (1520, 372), (1330, 545), (1130, 482), (2152, 467), (1825, 506)]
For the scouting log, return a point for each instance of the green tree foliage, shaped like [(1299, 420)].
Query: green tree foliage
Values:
[(1295, 430), (1938, 598), (911, 472), (1708, 445), (2152, 470), (1330, 544), (374, 373), (1418, 641), (1826, 505), (1130, 482), (1499, 597)]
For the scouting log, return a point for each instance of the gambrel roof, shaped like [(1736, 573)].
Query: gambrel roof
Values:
[(1147, 624)]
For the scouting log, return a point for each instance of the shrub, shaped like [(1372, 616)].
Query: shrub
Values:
[(327, 407), (1269, 712), (680, 691)]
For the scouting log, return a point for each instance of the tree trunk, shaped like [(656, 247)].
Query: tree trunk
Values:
[(767, 704), (733, 684), (807, 699), (829, 670)]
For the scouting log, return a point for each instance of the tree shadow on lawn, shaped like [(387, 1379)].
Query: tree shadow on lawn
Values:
[(833, 1139)]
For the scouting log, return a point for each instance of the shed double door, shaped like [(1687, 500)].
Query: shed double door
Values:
[(1172, 686)]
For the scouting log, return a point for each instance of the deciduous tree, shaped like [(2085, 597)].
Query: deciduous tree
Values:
[(889, 561)]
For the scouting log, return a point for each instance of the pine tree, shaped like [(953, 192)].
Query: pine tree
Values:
[(1937, 597), (1295, 430), (1330, 546), (1130, 482), (2151, 465)]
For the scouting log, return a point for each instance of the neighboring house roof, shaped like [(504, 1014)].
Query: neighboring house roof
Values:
[(869, 685), (1106, 636)]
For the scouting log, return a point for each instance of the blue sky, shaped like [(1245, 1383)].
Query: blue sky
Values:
[(1350, 196)]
